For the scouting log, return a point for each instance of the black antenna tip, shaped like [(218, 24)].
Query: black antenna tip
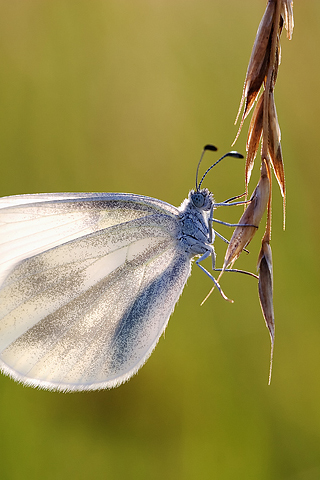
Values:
[(212, 148), (235, 154)]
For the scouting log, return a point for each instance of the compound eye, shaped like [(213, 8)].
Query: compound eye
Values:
[(197, 200)]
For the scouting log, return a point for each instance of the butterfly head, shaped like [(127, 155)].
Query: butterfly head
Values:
[(201, 199)]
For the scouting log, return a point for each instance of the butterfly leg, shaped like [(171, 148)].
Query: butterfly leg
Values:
[(227, 241), (234, 198), (227, 203), (222, 237), (232, 224), (203, 257)]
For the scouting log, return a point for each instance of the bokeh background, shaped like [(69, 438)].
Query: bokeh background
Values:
[(121, 95)]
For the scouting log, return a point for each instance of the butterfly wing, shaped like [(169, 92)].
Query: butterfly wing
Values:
[(30, 224), (88, 286)]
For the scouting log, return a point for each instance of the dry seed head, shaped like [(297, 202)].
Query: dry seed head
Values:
[(262, 74)]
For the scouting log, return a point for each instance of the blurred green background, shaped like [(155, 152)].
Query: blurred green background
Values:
[(121, 95)]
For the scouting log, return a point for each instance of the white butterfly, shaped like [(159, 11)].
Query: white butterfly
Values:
[(88, 282)]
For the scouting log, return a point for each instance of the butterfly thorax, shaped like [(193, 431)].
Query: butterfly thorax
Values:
[(196, 211)]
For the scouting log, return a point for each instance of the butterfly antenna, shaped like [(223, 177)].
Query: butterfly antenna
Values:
[(212, 148), (229, 154)]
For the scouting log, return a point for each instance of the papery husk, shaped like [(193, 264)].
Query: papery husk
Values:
[(265, 287), (287, 15), (258, 63), (254, 136), (274, 145), (250, 220)]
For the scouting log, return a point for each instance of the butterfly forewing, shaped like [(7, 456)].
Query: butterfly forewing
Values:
[(29, 224)]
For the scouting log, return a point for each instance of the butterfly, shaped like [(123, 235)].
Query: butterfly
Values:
[(88, 281)]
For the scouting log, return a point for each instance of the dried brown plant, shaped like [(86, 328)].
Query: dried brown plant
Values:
[(264, 126)]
